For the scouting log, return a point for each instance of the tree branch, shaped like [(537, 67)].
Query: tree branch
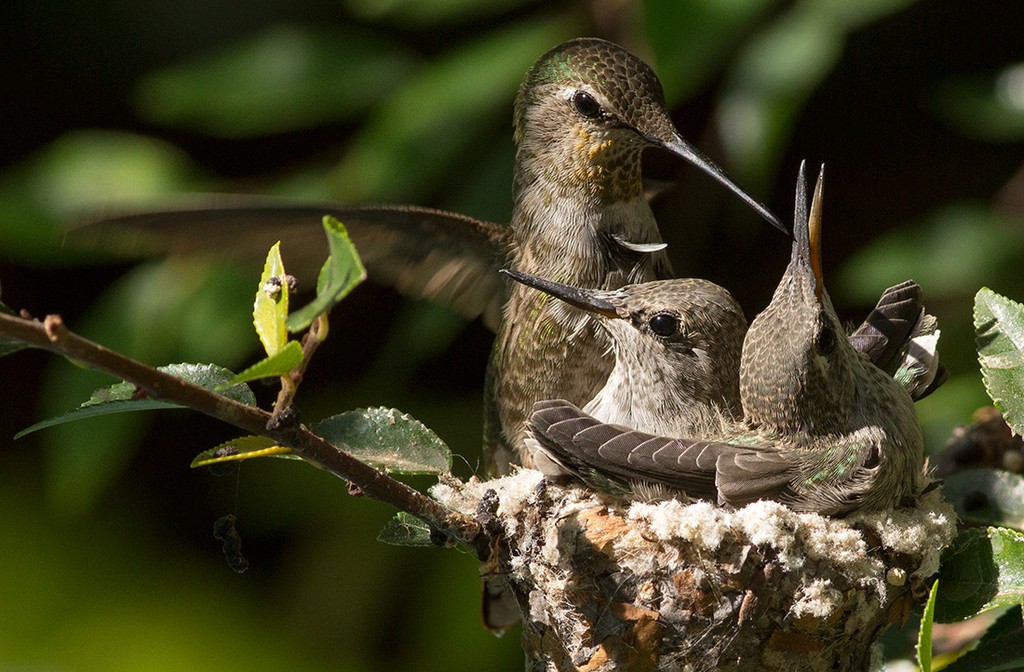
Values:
[(52, 334)]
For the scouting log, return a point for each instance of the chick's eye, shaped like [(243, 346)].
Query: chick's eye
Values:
[(585, 105), (664, 324), (826, 341)]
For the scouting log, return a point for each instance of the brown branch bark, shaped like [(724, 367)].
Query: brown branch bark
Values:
[(52, 334)]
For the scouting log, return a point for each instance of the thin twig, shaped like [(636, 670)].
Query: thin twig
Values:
[(51, 334), (312, 339)]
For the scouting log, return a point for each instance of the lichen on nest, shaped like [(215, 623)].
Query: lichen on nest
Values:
[(759, 587)]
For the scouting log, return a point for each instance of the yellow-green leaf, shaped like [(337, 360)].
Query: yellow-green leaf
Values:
[(270, 310), (242, 448)]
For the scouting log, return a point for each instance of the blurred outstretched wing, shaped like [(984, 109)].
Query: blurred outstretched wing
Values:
[(424, 253)]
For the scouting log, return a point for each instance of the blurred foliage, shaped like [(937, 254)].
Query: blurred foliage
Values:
[(916, 107), (283, 80), (1001, 502)]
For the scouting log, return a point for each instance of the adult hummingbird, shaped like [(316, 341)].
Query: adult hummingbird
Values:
[(584, 113), (824, 429)]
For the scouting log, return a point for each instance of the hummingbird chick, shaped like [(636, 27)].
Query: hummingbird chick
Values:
[(677, 346), (824, 429)]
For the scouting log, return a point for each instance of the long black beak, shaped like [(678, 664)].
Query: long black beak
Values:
[(685, 150), (591, 300)]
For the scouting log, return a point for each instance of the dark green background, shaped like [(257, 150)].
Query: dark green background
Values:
[(107, 560)]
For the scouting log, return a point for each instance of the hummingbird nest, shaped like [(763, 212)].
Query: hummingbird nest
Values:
[(611, 585)]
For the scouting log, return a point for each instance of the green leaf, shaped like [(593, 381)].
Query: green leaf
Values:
[(121, 397), (987, 496), (281, 364), (242, 448), (437, 13), (387, 439), (981, 570), (999, 328), (405, 530), (285, 79), (924, 634), (1000, 649), (181, 311), (270, 309), (340, 274)]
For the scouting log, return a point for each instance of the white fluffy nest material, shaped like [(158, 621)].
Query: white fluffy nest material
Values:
[(671, 585)]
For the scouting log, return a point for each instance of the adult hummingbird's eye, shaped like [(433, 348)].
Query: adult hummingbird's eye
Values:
[(585, 105), (664, 324), (826, 341)]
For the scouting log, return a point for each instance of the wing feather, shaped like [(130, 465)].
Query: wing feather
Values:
[(422, 252)]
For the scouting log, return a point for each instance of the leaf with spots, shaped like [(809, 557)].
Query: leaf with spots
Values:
[(270, 309), (123, 397), (405, 530), (999, 330), (387, 439)]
